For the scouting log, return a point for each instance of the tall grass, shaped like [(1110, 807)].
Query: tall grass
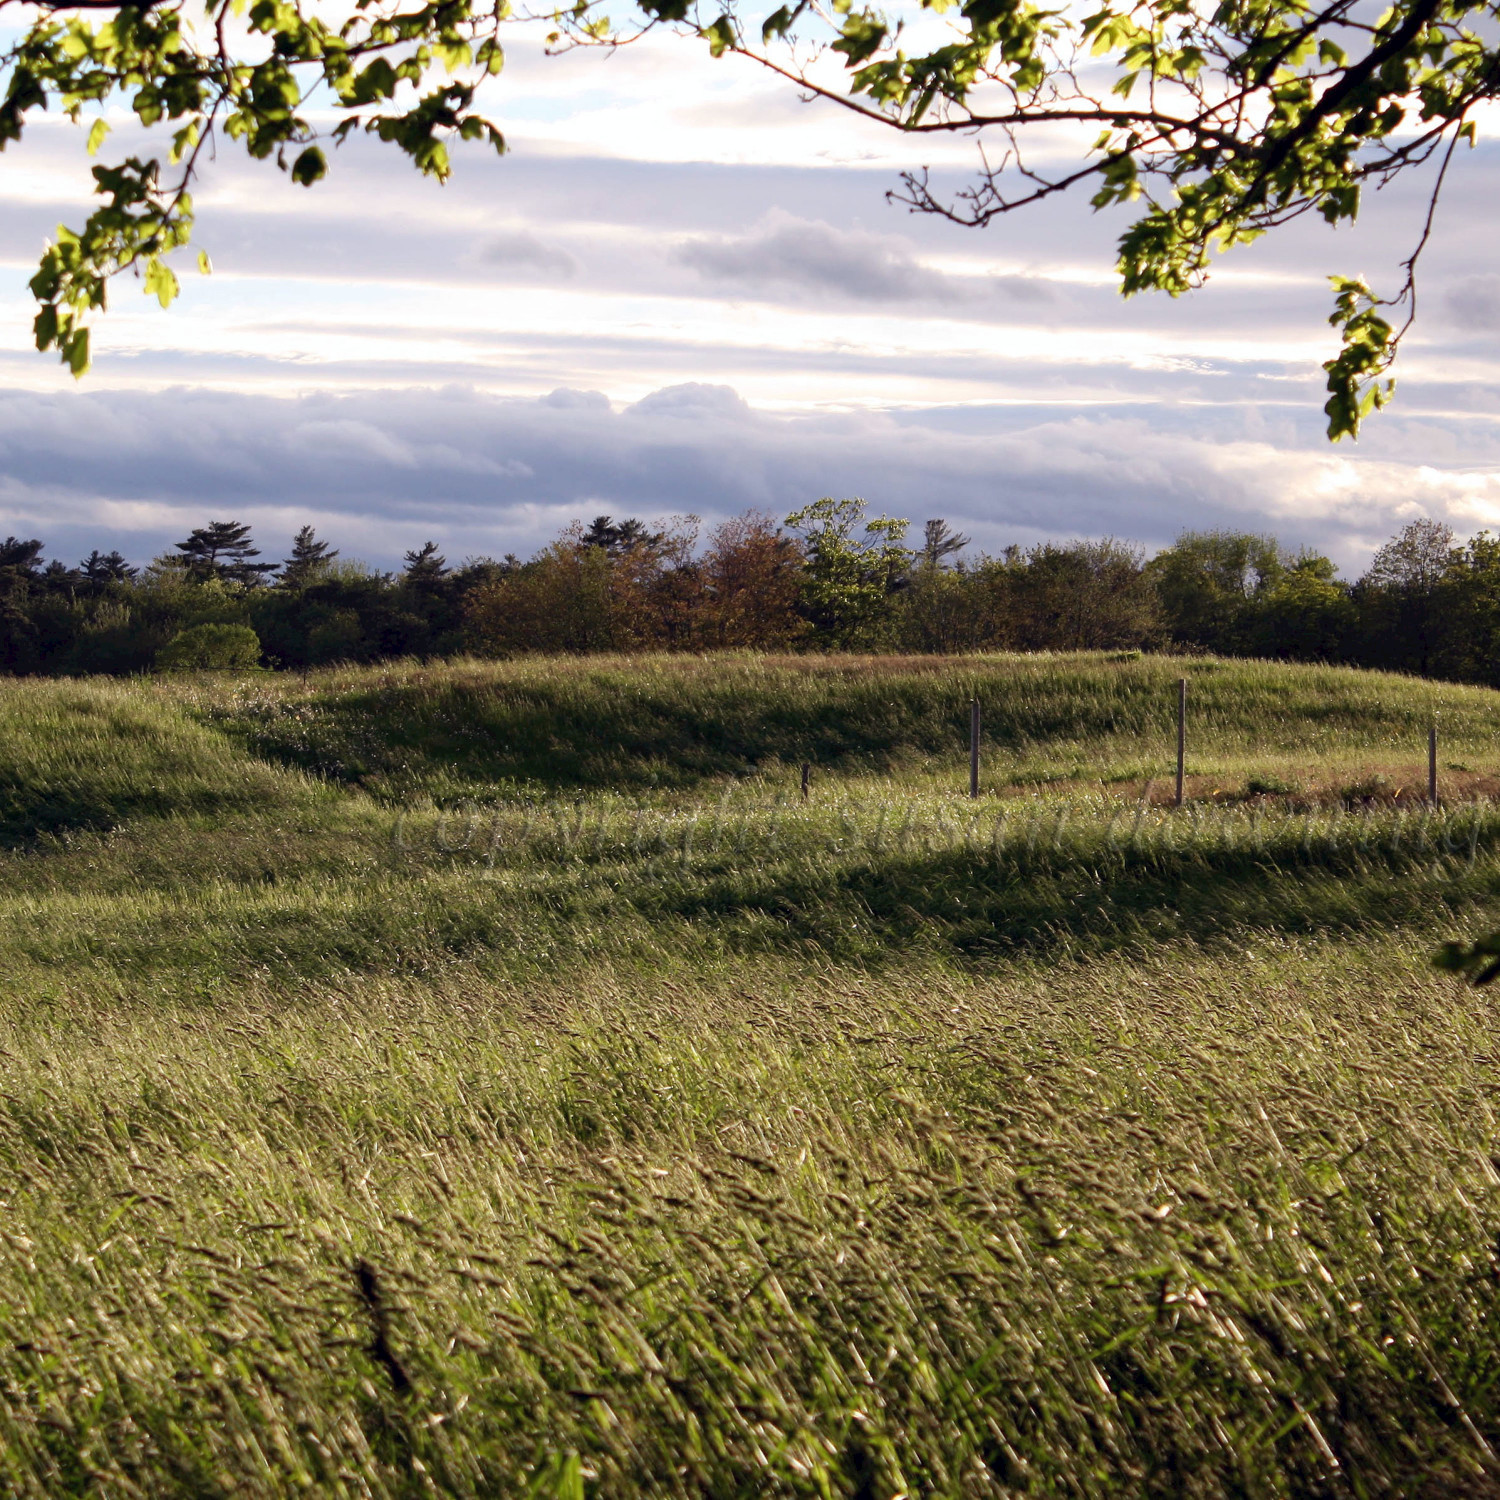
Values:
[(91, 755), (1135, 1228), (494, 1081), (513, 893)]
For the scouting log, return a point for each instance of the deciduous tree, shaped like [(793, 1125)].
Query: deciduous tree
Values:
[(752, 580), (1083, 596), (854, 566), (1403, 591), (1204, 580)]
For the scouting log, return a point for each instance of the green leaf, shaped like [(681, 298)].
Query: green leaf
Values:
[(97, 133), (721, 37), (45, 327), (310, 167), (161, 280), (76, 352)]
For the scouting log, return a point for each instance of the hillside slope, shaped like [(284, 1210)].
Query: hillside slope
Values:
[(503, 729), (93, 755), (521, 819)]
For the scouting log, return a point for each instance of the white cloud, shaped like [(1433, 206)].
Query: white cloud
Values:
[(694, 399), (520, 248), (815, 257)]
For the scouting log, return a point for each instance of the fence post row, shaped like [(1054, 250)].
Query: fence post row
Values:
[(973, 747), (1182, 687)]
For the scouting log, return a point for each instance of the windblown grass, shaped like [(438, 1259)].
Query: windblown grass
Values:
[(1175, 1229), (91, 755), (492, 1081), (513, 893)]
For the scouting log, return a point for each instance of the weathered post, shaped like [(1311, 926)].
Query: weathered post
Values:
[(1432, 796), (1181, 734), (973, 747), (806, 780)]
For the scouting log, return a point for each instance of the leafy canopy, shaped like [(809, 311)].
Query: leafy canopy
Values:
[(228, 70), (1219, 121), (850, 576)]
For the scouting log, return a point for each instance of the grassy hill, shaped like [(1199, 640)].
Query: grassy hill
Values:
[(191, 834), (678, 723), (96, 755), (494, 1079)]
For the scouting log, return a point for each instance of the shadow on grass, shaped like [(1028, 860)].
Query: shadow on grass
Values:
[(951, 906), (79, 758), (671, 723), (453, 740), (960, 904)]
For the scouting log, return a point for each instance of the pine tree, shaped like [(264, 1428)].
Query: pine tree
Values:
[(616, 540), (223, 549), (57, 577), (20, 557), (426, 567), (938, 542), (100, 568), (309, 557)]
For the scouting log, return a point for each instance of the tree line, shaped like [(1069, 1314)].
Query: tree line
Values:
[(827, 578)]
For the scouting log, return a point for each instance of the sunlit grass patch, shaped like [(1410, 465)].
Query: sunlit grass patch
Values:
[(487, 1080), (92, 755), (1077, 1233)]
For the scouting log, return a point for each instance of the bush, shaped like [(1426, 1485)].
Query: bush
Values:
[(210, 648), (1268, 786), (1374, 788)]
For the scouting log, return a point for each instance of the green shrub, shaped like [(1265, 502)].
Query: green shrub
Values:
[(223, 648), (1268, 786)]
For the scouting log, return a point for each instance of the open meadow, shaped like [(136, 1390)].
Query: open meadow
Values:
[(495, 1079)]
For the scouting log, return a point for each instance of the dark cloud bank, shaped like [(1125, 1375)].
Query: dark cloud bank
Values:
[(383, 470)]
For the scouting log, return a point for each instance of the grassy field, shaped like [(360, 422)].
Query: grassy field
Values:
[(495, 1080)]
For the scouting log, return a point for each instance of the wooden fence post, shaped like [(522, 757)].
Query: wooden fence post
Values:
[(1181, 734), (806, 780), (973, 747), (1432, 795)]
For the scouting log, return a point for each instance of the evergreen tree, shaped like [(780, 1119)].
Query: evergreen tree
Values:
[(938, 542), (58, 578), (223, 549), (616, 540), (309, 557), (426, 567), (18, 558), (100, 568)]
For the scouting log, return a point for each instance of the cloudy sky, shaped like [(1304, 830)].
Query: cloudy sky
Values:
[(684, 291)]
